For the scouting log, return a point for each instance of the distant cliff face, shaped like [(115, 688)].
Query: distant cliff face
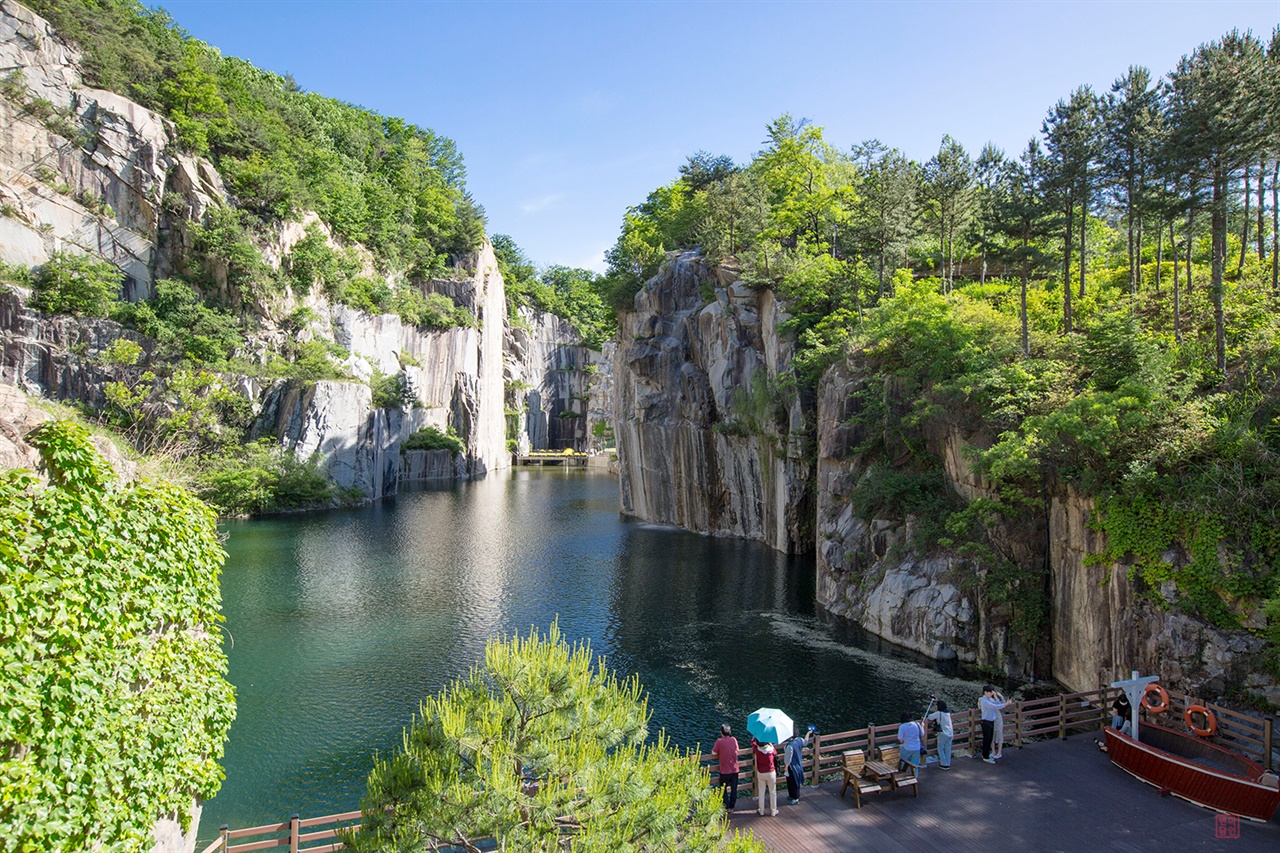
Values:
[(703, 429)]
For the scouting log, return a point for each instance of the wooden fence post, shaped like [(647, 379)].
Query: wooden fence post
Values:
[(293, 834), (871, 742), (971, 746), (1062, 716), (817, 756), (1017, 724), (224, 832), (1267, 744)]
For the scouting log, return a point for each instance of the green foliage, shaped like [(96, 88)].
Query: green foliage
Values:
[(391, 391), (188, 413), (311, 261), (431, 438), (224, 242), (575, 294), (15, 274), (432, 310), (76, 284), (115, 705), (263, 477), (541, 748), (307, 361), (184, 326)]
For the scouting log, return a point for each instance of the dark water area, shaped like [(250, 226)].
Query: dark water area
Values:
[(341, 623)]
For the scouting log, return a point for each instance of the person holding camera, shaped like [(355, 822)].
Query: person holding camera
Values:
[(991, 703)]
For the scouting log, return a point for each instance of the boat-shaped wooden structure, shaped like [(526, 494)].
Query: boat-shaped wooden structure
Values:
[(1196, 770)]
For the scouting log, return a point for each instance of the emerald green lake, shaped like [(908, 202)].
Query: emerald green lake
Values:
[(340, 623)]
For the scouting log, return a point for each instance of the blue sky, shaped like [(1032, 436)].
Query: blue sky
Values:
[(567, 112)]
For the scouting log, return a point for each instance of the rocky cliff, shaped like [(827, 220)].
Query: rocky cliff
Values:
[(1099, 626), (708, 440), (703, 430), (548, 382), (87, 171)]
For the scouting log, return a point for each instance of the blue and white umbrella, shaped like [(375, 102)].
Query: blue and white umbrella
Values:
[(769, 725)]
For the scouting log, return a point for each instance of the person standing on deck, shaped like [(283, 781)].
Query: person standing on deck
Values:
[(795, 765), (942, 718), (726, 751), (997, 734), (911, 736), (990, 707), (766, 775)]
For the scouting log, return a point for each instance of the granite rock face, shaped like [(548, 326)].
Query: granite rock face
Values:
[(548, 380), (89, 179), (704, 435), (1100, 627), (867, 570)]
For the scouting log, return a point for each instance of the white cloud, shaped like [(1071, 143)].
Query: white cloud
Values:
[(538, 205)]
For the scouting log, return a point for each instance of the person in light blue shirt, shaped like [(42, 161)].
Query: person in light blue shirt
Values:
[(992, 704), (911, 737)]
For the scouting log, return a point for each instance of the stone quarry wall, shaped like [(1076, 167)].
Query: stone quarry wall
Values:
[(549, 383), (1100, 627), (688, 453)]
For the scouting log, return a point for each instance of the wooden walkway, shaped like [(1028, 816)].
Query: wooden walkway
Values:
[(1049, 796)]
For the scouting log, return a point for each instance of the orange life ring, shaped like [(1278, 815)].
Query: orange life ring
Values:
[(1210, 721), (1160, 704)]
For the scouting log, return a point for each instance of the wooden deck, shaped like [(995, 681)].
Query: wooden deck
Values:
[(1051, 795)]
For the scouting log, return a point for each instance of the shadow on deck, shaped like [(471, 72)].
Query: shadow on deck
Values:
[(1051, 795)]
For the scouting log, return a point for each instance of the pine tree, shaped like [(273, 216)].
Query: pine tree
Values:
[(1071, 137), (950, 200), (1130, 114), (542, 749), (1217, 125)]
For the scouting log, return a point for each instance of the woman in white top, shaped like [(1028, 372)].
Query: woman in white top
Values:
[(942, 719), (997, 736)]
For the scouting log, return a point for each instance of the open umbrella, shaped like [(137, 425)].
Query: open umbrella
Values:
[(769, 725)]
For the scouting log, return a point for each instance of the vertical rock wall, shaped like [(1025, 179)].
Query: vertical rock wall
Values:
[(548, 380), (704, 434), (867, 571)]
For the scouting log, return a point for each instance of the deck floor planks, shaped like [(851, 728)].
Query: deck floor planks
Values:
[(1052, 795)]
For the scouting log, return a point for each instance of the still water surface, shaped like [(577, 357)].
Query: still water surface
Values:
[(340, 624)]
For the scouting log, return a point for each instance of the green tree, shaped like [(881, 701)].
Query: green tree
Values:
[(114, 707), (192, 98), (950, 201), (1217, 124), (1131, 116), (886, 212), (1071, 137), (76, 284), (1023, 215), (544, 749)]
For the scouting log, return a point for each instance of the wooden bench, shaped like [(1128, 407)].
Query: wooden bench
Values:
[(901, 778), (855, 761)]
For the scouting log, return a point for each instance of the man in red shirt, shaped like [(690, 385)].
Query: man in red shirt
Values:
[(726, 750), (766, 775)]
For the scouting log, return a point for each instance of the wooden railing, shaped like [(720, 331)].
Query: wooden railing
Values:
[(1024, 721)]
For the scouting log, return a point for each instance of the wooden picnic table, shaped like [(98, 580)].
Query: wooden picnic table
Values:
[(880, 770)]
